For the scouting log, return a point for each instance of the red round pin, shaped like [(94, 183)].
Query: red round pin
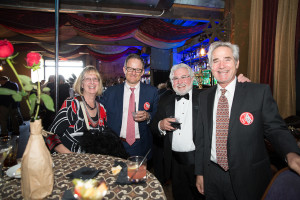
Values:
[(147, 106), (246, 118)]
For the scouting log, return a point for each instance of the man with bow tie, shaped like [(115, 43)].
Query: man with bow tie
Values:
[(178, 142), (179, 147)]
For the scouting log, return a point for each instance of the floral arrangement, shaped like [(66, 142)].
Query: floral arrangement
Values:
[(33, 99)]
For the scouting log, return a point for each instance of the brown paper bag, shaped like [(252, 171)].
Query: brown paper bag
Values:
[(37, 166)]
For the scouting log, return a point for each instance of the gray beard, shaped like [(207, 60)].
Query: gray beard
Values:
[(185, 91)]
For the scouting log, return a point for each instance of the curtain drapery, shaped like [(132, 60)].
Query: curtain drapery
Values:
[(255, 30), (277, 65), (165, 34), (270, 8), (284, 69)]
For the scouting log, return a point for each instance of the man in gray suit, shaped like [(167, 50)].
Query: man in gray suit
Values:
[(231, 159)]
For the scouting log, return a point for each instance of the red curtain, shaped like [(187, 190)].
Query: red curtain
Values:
[(111, 28), (162, 31), (268, 41), (29, 47), (150, 31), (28, 22), (113, 57)]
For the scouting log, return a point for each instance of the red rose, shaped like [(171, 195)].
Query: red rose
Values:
[(33, 58), (6, 49)]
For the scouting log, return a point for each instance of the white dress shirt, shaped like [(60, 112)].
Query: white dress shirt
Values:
[(183, 138), (126, 97), (229, 95)]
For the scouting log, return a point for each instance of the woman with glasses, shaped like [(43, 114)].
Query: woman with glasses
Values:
[(70, 122)]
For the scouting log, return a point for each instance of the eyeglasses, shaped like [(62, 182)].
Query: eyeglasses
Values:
[(137, 70), (96, 80), (182, 78)]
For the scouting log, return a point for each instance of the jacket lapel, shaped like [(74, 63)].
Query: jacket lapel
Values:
[(170, 111), (142, 96), (119, 103), (195, 107), (210, 109), (238, 98)]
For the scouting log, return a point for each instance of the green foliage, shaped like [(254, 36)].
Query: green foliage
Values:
[(34, 67), (5, 91), (48, 102), (28, 88), (17, 97), (32, 101), (46, 89), (25, 79), (29, 91), (23, 93)]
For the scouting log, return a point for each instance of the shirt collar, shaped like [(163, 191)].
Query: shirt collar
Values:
[(230, 87), (128, 86)]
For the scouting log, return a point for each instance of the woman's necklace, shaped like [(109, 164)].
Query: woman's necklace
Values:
[(93, 122), (89, 105)]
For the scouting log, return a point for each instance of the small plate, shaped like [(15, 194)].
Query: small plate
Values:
[(11, 172)]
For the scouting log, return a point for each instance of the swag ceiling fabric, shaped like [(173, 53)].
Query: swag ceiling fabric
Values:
[(164, 34)]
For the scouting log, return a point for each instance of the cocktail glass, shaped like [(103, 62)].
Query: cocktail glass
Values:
[(177, 123), (11, 159), (5, 148), (133, 115), (136, 168)]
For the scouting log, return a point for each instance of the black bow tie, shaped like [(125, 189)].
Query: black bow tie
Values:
[(186, 96)]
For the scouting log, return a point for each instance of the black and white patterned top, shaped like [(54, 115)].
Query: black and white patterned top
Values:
[(69, 125)]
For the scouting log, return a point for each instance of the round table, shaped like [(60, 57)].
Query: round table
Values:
[(66, 163)]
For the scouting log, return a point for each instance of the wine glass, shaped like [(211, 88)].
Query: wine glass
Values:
[(134, 112), (5, 148)]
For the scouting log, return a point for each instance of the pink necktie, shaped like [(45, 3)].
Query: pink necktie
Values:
[(130, 132), (222, 130)]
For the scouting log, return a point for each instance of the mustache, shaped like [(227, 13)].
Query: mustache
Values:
[(181, 85)]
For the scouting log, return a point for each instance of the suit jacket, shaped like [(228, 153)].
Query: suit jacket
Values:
[(7, 100), (112, 100), (249, 164), (166, 108)]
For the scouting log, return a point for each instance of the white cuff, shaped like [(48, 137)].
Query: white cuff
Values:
[(161, 131)]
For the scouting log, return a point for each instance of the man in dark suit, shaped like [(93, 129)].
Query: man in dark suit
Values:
[(116, 100), (231, 158), (179, 148), (8, 108)]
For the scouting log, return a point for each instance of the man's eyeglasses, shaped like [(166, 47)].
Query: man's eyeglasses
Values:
[(137, 70), (96, 80), (182, 78)]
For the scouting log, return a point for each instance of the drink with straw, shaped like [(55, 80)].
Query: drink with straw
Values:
[(136, 168)]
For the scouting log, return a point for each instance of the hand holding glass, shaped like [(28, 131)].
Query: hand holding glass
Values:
[(176, 124), (134, 112)]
